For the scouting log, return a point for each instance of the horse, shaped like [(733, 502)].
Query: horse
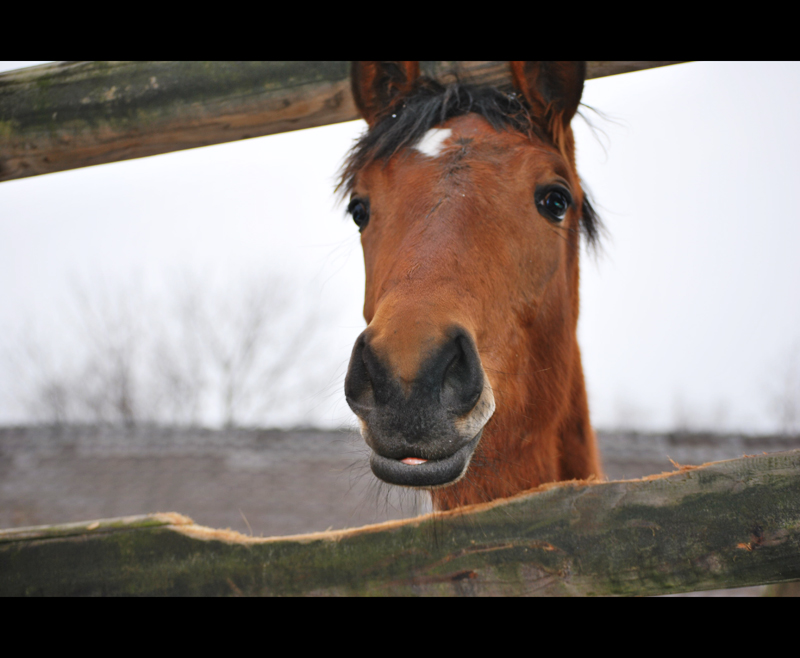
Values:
[(467, 381)]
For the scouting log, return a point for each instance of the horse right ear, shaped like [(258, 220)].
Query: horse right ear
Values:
[(553, 90), (377, 86)]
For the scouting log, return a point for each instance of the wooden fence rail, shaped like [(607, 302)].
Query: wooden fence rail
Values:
[(76, 114), (724, 524)]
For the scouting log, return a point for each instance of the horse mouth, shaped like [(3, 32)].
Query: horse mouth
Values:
[(420, 473)]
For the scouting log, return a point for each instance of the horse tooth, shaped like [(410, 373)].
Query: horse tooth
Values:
[(413, 461)]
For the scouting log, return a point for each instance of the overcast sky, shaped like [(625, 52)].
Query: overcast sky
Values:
[(689, 315)]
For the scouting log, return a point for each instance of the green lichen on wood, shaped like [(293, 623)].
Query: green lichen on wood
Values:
[(91, 527), (118, 94), (6, 128), (76, 114), (728, 524)]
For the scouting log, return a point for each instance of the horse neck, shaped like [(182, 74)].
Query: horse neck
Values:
[(579, 457), (516, 455)]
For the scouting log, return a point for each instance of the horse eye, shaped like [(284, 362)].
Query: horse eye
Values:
[(360, 213), (553, 203)]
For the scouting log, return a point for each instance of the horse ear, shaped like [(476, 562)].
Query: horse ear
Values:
[(377, 86), (553, 90)]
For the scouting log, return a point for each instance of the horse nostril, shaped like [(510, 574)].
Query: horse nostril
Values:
[(358, 388), (450, 381), (463, 377), (369, 382)]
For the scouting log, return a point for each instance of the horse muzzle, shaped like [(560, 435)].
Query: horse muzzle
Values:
[(423, 431)]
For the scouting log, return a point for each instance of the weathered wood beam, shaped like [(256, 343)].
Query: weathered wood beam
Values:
[(76, 114), (725, 524)]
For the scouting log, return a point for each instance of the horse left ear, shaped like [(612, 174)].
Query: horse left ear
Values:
[(553, 90), (377, 86)]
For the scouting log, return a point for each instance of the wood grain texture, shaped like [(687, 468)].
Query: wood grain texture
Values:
[(725, 524), (77, 114)]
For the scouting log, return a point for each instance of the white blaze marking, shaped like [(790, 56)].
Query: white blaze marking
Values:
[(431, 143)]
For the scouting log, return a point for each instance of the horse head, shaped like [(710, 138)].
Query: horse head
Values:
[(467, 380)]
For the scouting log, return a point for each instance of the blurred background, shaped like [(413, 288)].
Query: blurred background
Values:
[(181, 324)]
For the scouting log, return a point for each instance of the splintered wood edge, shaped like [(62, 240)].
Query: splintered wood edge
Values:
[(232, 536), (186, 526), (136, 522)]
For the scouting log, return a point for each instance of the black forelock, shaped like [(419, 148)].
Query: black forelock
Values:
[(430, 104)]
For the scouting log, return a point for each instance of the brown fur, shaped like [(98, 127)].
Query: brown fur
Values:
[(458, 240)]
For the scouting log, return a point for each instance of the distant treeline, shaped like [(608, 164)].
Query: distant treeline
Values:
[(195, 355)]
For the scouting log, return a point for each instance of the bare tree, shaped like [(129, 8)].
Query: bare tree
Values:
[(177, 382), (43, 385), (111, 325), (247, 340), (198, 353)]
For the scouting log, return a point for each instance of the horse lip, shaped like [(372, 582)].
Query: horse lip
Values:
[(433, 473)]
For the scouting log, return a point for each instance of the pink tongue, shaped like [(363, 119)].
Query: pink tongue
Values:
[(413, 461)]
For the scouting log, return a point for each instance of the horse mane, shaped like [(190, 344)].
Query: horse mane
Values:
[(430, 104)]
